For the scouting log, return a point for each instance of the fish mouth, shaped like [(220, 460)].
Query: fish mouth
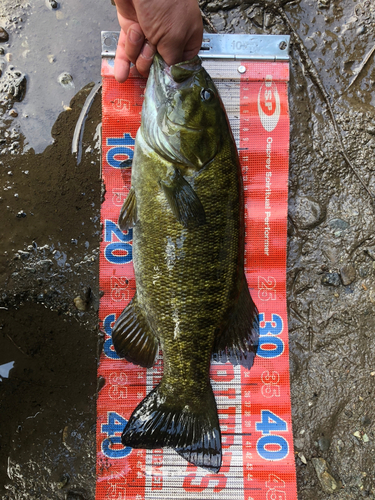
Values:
[(177, 73), (161, 132)]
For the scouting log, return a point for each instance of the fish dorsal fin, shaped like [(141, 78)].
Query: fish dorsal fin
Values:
[(132, 337), (128, 214), (166, 419), (238, 341), (183, 201)]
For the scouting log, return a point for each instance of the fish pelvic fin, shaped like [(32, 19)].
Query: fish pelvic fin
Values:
[(163, 420), (128, 214), (183, 201), (132, 337), (238, 342)]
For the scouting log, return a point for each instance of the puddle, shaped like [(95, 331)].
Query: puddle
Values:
[(5, 369), (43, 46)]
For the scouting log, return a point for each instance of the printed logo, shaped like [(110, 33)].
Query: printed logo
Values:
[(269, 104)]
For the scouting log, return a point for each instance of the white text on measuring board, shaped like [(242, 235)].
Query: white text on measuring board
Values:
[(267, 196)]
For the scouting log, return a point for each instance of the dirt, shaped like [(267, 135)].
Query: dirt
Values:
[(50, 239)]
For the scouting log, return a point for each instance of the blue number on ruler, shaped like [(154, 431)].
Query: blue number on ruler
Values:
[(108, 345), (271, 423), (115, 424), (268, 336), (122, 148), (111, 229)]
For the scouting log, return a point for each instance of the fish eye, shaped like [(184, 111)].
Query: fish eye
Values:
[(207, 94)]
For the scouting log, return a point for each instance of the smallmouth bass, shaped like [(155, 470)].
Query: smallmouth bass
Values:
[(186, 208)]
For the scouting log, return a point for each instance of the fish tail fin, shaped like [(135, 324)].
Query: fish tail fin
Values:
[(163, 419)]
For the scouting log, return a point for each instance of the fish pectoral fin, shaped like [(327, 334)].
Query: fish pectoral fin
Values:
[(238, 342), (183, 201), (132, 337), (128, 214), (163, 419)]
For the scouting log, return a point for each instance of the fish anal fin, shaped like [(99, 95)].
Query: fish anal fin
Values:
[(183, 201), (239, 339), (128, 214), (163, 420), (132, 337)]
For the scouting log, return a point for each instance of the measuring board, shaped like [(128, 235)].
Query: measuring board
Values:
[(251, 73)]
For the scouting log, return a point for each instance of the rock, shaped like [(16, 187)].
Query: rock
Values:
[(45, 264), (324, 443), (80, 304), (338, 225), (347, 273), (66, 80), (306, 213), (4, 37), (331, 279), (52, 4), (370, 252), (299, 443), (328, 482)]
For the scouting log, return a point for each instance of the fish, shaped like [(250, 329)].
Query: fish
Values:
[(186, 209)]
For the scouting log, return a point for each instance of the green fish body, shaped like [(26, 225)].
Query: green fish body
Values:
[(186, 209)]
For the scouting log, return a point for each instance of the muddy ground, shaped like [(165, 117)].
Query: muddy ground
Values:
[(50, 236)]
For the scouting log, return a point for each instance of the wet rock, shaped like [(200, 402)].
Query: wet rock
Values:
[(66, 80), (13, 85), (306, 213), (4, 37), (347, 273), (328, 482), (331, 279), (2, 51)]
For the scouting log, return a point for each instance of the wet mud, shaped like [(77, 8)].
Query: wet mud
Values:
[(50, 231)]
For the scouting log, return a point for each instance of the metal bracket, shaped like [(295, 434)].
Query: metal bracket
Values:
[(109, 43), (235, 47), (232, 47)]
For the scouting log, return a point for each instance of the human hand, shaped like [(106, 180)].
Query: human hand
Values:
[(173, 28)]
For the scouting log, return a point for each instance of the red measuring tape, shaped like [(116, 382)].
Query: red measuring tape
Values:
[(254, 406)]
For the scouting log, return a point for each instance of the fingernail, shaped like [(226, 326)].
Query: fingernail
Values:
[(148, 52), (134, 36)]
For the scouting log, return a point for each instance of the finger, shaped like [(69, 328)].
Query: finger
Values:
[(145, 58), (134, 42), (122, 63)]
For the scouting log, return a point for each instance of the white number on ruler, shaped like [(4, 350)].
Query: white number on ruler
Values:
[(119, 288), (275, 487), (266, 288), (270, 381)]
